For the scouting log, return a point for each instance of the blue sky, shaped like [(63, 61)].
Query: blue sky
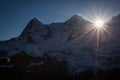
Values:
[(15, 14)]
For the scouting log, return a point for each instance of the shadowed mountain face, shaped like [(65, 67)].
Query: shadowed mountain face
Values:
[(62, 49)]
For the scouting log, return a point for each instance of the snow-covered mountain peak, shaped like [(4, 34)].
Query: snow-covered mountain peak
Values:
[(75, 19), (33, 25), (116, 18), (35, 20)]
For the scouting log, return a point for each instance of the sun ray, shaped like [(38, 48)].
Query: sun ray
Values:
[(89, 29)]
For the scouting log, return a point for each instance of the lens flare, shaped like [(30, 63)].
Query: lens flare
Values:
[(99, 23)]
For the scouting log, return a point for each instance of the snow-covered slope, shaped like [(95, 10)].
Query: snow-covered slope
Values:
[(72, 43)]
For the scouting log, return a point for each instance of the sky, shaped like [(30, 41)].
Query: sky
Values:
[(15, 14)]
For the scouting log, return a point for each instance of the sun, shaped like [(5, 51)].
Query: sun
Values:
[(99, 23)]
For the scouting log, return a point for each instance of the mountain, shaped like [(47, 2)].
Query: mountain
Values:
[(69, 47)]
